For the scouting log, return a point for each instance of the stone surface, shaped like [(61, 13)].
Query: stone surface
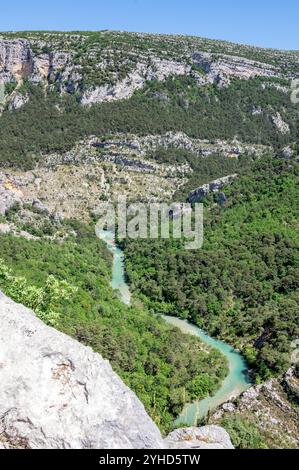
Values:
[(57, 393), (124, 89), (16, 60), (214, 186), (96, 169), (271, 407), (17, 101), (10, 194), (222, 69), (207, 437), (54, 62)]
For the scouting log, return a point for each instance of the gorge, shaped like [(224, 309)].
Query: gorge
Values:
[(236, 382)]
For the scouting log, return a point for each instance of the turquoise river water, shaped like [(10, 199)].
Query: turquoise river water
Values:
[(236, 382)]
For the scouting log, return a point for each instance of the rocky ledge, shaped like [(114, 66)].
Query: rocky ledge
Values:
[(58, 63), (56, 393)]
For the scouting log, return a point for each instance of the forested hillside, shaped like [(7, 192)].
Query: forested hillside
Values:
[(243, 284), (88, 116)]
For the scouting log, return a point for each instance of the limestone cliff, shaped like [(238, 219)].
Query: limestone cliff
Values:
[(272, 407), (214, 186)]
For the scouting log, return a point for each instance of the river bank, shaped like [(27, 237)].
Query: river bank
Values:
[(237, 380)]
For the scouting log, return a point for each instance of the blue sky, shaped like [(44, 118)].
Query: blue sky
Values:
[(261, 22)]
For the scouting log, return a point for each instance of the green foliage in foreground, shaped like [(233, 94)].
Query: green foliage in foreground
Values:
[(243, 285), (163, 366)]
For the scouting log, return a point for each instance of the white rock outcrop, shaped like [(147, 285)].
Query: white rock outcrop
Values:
[(221, 69), (57, 393), (124, 89), (142, 145), (58, 66), (214, 186), (17, 101), (207, 437), (280, 124), (16, 60), (271, 407), (10, 194)]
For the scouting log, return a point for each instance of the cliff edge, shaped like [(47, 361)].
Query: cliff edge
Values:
[(57, 393)]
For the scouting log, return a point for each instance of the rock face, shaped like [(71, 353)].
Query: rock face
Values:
[(207, 437), (57, 393), (142, 145), (220, 70), (214, 186), (12, 193), (17, 101), (124, 89), (71, 184), (63, 62), (282, 126), (9, 194), (16, 60)]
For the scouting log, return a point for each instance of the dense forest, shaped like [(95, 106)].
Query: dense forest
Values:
[(67, 283), (54, 123), (243, 285)]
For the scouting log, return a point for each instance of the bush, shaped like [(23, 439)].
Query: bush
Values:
[(244, 434)]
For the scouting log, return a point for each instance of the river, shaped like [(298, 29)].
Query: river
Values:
[(237, 380)]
